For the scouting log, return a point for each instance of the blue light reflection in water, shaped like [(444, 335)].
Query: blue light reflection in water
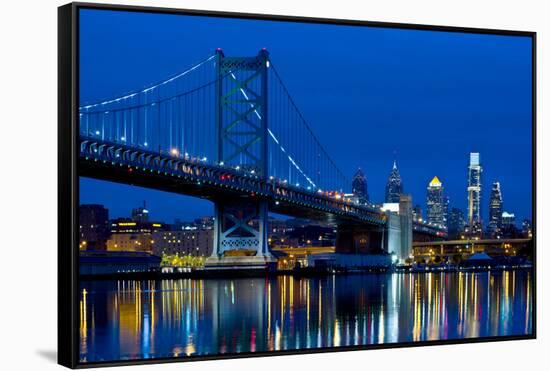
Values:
[(122, 320)]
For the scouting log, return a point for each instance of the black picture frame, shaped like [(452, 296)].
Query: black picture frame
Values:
[(68, 190)]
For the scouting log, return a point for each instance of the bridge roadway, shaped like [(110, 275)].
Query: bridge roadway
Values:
[(174, 173)]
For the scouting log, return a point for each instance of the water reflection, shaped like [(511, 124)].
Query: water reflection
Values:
[(179, 318)]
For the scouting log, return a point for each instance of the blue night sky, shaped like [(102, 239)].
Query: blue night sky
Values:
[(370, 94)]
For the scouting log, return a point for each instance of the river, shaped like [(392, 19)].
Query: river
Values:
[(132, 319)]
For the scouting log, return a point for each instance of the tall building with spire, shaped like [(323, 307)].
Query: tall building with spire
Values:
[(359, 187), (394, 187), (436, 203), (474, 193), (495, 210)]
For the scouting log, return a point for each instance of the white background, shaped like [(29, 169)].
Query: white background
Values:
[(28, 171)]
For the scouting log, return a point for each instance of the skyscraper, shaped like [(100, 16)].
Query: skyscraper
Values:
[(436, 203), (509, 229), (456, 223), (474, 193), (508, 219), (359, 187), (495, 210), (394, 187), (417, 213)]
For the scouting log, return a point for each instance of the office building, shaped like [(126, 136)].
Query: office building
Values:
[(436, 203), (359, 187), (495, 211), (394, 186), (474, 192), (93, 227)]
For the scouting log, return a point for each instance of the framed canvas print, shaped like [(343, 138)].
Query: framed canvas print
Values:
[(236, 185)]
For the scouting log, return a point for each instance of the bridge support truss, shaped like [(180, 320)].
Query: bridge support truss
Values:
[(241, 224)]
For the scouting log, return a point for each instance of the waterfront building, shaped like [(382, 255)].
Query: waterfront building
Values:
[(457, 223), (140, 214), (125, 225), (359, 187), (105, 262), (474, 194), (436, 203), (190, 241), (131, 235), (277, 230), (311, 235), (495, 211), (138, 242), (394, 186), (93, 227)]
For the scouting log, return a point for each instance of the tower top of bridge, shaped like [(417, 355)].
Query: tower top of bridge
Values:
[(263, 52)]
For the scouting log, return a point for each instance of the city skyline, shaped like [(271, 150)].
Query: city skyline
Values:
[(126, 209), (431, 119), (321, 163)]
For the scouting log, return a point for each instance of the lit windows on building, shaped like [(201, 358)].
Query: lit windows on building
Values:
[(359, 187), (142, 242), (474, 191), (495, 211), (394, 186), (191, 241), (436, 203)]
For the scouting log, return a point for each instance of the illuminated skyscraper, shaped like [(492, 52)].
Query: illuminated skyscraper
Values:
[(474, 193), (359, 187), (495, 210), (394, 187), (436, 203)]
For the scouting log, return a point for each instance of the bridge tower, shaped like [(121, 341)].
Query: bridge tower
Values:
[(241, 224)]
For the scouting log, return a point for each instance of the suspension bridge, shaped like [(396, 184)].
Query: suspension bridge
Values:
[(225, 129)]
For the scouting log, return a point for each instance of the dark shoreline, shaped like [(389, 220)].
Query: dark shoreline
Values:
[(303, 273)]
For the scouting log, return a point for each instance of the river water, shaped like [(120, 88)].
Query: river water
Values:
[(131, 319)]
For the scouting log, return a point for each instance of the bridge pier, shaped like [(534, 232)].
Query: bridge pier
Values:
[(240, 235)]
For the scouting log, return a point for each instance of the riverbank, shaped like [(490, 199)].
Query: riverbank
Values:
[(200, 273)]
